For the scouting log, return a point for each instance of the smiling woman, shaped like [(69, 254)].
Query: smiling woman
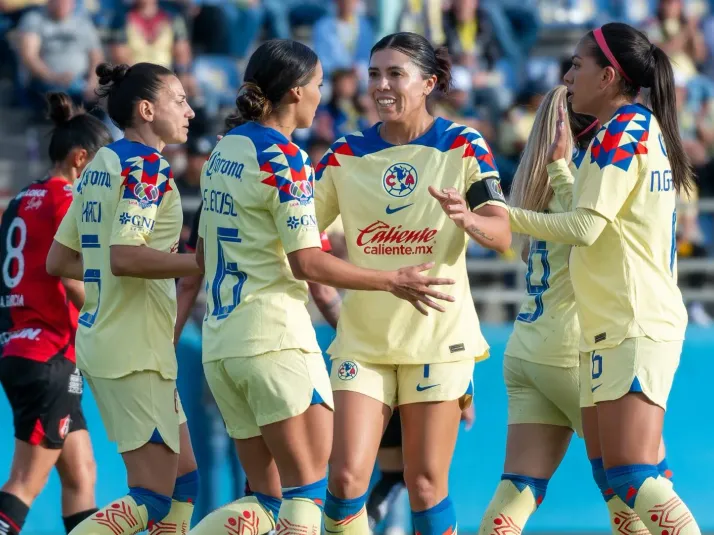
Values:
[(411, 188)]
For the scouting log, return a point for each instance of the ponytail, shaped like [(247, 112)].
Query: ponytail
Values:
[(663, 100)]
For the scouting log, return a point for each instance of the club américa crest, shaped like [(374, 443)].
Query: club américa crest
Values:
[(347, 370), (400, 179)]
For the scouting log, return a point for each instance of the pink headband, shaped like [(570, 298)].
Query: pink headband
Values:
[(600, 40), (592, 125)]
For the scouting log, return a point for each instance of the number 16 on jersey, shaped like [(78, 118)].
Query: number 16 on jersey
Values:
[(225, 237)]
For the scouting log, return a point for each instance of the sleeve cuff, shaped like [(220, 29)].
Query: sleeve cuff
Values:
[(559, 171)]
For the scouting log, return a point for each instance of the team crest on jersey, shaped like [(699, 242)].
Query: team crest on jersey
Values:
[(347, 370), (146, 179), (64, 426), (400, 180)]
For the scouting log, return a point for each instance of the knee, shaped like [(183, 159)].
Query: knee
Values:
[(424, 488), (81, 478), (346, 482)]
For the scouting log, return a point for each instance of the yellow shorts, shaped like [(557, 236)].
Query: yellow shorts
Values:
[(255, 391), (401, 384), (636, 365), (133, 407), (542, 394)]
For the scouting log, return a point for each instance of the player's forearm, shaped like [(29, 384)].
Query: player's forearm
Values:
[(492, 232), (561, 181), (580, 227), (64, 262), (146, 263), (75, 292), (327, 301), (186, 293), (316, 266)]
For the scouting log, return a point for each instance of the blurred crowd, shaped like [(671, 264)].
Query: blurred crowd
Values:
[(506, 54)]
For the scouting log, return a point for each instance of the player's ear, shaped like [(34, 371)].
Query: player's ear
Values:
[(296, 94), (429, 85), (79, 157), (146, 111)]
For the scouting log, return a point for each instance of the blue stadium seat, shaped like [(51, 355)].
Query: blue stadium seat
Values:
[(219, 79)]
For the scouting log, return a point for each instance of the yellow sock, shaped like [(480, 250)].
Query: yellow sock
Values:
[(299, 516), (662, 510), (243, 517), (177, 522), (121, 517), (624, 520), (356, 524), (509, 509)]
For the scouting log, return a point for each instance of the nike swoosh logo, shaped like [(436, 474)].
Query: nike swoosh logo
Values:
[(422, 388), (395, 210), (596, 387)]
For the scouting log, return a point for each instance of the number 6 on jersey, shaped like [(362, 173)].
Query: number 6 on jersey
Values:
[(223, 268)]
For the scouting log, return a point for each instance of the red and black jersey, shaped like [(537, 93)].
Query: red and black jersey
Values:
[(37, 320)]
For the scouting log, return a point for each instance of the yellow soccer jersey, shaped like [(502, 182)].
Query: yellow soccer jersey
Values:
[(125, 196), (546, 330), (257, 207), (392, 221), (625, 283)]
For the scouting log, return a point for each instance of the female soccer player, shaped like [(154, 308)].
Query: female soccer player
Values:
[(38, 321), (623, 224), (125, 220), (396, 185), (259, 242)]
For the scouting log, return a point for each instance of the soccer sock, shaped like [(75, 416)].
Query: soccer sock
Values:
[(653, 498), (516, 499), (664, 471), (13, 512), (178, 520), (380, 497), (622, 518), (348, 517), (437, 520), (302, 508), (253, 514), (72, 521), (136, 512)]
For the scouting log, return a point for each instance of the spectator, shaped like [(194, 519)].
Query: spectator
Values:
[(148, 33), (344, 41), (60, 50), (344, 113), (425, 18), (678, 35)]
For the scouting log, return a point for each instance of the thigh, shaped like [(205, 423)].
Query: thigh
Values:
[(259, 466), (429, 434), (138, 408), (76, 462), (153, 467), (536, 450), (428, 383), (359, 424), (591, 432), (31, 465), (301, 445), (187, 460)]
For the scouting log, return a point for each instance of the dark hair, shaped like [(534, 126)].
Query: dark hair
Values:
[(646, 65), (337, 75), (273, 69), (124, 86), (431, 62), (73, 128)]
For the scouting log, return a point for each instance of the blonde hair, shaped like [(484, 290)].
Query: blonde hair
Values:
[(531, 185)]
